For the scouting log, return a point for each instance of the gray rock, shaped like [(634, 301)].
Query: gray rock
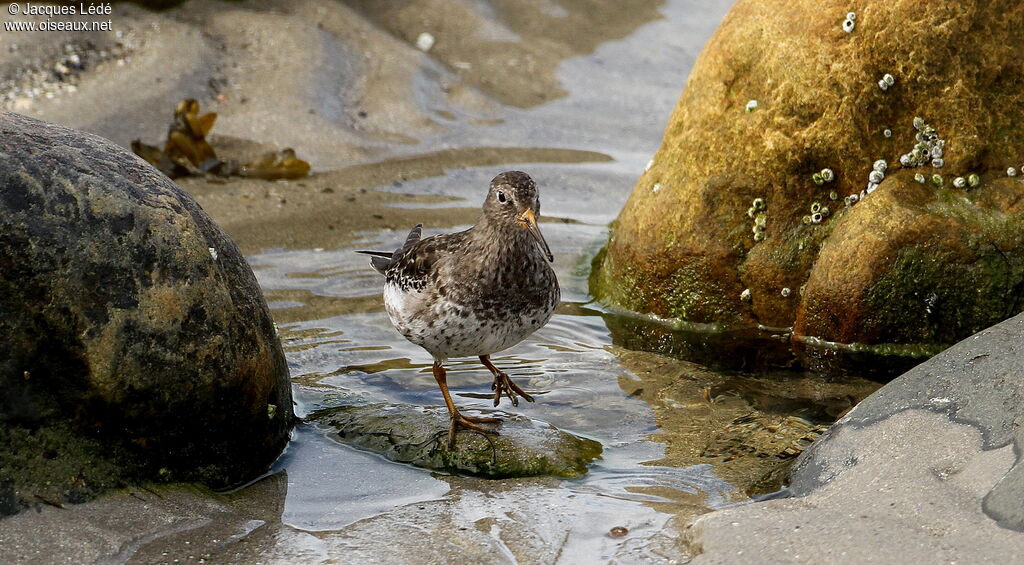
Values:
[(418, 435), (979, 381), (133, 335), (927, 469)]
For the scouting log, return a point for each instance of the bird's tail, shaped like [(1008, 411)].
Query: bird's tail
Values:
[(381, 260)]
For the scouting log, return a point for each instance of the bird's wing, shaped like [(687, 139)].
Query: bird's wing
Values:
[(417, 266), (381, 261)]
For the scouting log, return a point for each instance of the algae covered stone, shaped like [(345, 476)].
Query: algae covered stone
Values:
[(902, 262), (418, 435), (134, 340)]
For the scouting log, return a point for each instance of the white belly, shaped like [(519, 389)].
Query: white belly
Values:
[(446, 329)]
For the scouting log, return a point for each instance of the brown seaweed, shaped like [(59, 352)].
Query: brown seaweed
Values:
[(187, 152)]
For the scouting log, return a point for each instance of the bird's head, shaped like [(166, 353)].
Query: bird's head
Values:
[(513, 203)]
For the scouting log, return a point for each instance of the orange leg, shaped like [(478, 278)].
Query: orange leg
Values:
[(503, 384), (458, 421)]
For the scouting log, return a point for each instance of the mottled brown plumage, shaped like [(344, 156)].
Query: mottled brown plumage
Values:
[(474, 292)]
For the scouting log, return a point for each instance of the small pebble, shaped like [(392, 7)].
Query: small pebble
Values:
[(424, 42)]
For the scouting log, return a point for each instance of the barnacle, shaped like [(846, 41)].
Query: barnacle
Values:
[(1011, 172), (759, 204), (848, 25), (919, 178), (827, 175), (786, 292), (876, 177), (959, 182), (973, 180)]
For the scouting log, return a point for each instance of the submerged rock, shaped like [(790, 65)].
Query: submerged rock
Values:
[(418, 435), (134, 340), (809, 194)]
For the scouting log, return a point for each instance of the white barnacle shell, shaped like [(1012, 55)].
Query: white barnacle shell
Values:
[(872, 186), (833, 195), (887, 132), (751, 212), (761, 220), (883, 85), (876, 176), (824, 211), (817, 218), (938, 162), (974, 180), (848, 25), (936, 151), (889, 79), (751, 105), (919, 178), (880, 165), (905, 160), (786, 292), (424, 42), (937, 179), (918, 123), (854, 198), (759, 236), (656, 187), (851, 15), (745, 295), (1011, 172), (213, 253), (816, 207), (827, 175), (959, 182), (759, 204)]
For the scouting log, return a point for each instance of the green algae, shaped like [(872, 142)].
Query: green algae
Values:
[(418, 435)]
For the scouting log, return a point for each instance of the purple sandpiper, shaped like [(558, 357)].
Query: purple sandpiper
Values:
[(474, 292)]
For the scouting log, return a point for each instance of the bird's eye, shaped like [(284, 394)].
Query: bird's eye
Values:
[(501, 196)]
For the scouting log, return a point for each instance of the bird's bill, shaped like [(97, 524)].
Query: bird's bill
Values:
[(529, 222)]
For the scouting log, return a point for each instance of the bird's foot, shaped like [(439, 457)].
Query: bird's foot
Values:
[(503, 385), (460, 422)]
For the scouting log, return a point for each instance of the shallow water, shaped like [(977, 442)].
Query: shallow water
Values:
[(342, 349)]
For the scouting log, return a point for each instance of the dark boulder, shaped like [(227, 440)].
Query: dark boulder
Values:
[(134, 340)]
